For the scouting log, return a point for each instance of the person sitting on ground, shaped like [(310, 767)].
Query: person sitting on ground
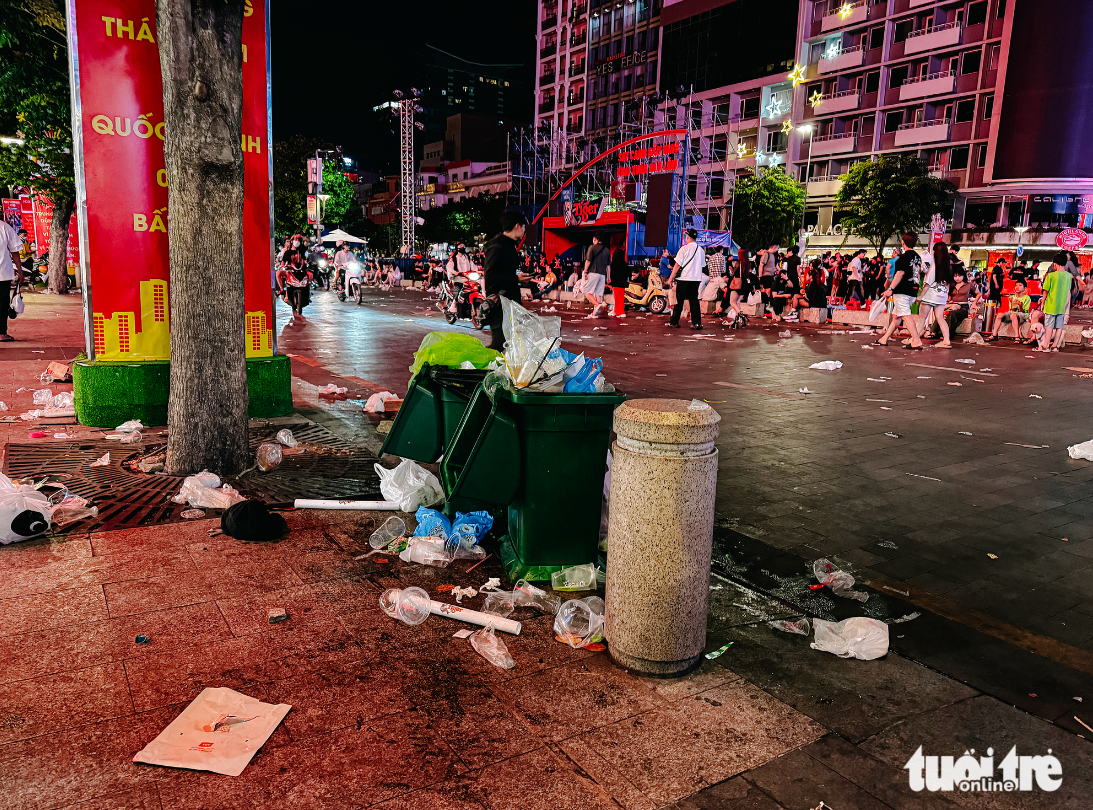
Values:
[(1020, 306), (815, 292), (1087, 291)]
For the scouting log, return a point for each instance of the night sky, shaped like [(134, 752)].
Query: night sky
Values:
[(332, 67)]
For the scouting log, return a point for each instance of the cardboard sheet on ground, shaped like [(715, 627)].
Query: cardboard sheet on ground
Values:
[(220, 731)]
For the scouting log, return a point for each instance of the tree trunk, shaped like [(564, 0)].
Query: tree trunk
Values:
[(58, 245), (201, 59)]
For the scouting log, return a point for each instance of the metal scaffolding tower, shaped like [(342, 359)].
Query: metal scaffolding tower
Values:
[(407, 186)]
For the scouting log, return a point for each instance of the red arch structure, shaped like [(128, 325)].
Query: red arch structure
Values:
[(661, 134)]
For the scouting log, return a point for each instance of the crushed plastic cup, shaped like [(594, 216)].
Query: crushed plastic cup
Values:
[(413, 605), (392, 529), (286, 438), (527, 595), (132, 438), (269, 456), (574, 578), (43, 396), (499, 604), (840, 582), (577, 624), (426, 551), (598, 606), (801, 627), (63, 401)]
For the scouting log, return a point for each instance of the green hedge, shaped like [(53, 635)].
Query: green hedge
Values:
[(109, 393)]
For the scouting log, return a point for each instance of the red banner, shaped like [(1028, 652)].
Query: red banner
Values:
[(13, 214), (120, 94)]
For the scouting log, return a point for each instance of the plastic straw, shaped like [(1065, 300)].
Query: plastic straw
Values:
[(369, 506)]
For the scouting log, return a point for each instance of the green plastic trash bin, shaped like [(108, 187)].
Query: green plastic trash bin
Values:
[(431, 411), (542, 455)]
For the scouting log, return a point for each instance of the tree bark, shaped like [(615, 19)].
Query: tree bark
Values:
[(201, 60), (58, 245)]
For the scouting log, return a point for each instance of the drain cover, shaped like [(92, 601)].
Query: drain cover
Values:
[(328, 467)]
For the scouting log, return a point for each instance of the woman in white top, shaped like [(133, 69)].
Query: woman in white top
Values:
[(938, 279)]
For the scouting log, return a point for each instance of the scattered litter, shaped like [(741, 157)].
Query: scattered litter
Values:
[(459, 593), (718, 652), (954, 383), (857, 637), (928, 478), (141, 639), (192, 514), (574, 578), (132, 426), (885, 408), (1078, 699), (487, 644), (332, 390), (698, 405), (1083, 450), (800, 627), (662, 375), (499, 604), (205, 492), (269, 456), (907, 618), (840, 582), (785, 334), (43, 396), (200, 738), (1034, 396), (894, 590), (493, 584), (286, 438), (964, 360), (132, 438), (878, 400), (919, 396), (409, 485), (815, 586), (580, 623), (964, 433), (874, 379), (277, 615), (887, 544), (63, 436), (36, 434), (992, 556), (975, 339), (376, 402), (803, 391), (464, 633), (827, 365), (394, 528), (894, 435), (925, 378), (527, 595), (1076, 718)]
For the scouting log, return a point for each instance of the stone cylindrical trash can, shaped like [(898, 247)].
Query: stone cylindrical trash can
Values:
[(660, 537)]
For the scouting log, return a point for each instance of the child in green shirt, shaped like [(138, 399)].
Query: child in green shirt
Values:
[(1056, 286)]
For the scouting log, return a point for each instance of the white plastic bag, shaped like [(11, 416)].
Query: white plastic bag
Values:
[(487, 644), (286, 438), (24, 511), (375, 402), (410, 486), (828, 365), (43, 396), (858, 637), (1083, 450), (202, 491), (129, 427), (840, 582)]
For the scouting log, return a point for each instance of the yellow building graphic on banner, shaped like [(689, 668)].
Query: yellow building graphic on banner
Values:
[(116, 338)]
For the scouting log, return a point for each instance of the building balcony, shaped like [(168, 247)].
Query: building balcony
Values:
[(837, 144), (923, 132), (549, 50), (851, 57), (932, 39), (838, 102), (578, 39), (934, 84), (577, 70), (824, 186), (549, 23), (846, 14), (917, 3), (547, 78), (574, 126), (956, 177), (575, 98), (547, 106)]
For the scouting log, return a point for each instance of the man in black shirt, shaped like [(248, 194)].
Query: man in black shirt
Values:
[(903, 291), (501, 267)]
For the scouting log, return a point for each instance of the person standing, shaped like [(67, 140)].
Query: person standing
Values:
[(500, 266), (596, 263), (935, 294), (620, 279), (854, 283), (11, 270), (687, 268), (1056, 286), (903, 291), (768, 266)]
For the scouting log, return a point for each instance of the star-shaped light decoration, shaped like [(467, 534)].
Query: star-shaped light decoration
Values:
[(741, 150), (845, 11), (759, 156), (797, 75), (816, 99), (787, 127), (774, 109)]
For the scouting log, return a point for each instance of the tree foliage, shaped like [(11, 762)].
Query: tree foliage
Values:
[(290, 190), (463, 220), (768, 209), (891, 195)]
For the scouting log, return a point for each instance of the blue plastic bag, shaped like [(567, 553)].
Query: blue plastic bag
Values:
[(472, 525), (584, 381), (427, 522)]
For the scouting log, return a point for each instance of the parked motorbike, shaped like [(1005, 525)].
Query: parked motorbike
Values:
[(652, 297), (469, 300)]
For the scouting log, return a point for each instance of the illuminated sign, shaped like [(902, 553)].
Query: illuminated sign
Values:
[(648, 160), (1072, 239), (1062, 203), (620, 61), (585, 212)]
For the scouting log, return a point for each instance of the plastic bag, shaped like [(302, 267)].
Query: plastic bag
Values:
[(452, 350), (104, 461), (43, 396), (131, 438), (71, 508), (578, 625), (499, 604), (410, 486), (975, 339), (1083, 450), (487, 644), (828, 365), (858, 637), (375, 402), (431, 523), (471, 525), (24, 511), (527, 595), (574, 578), (269, 456), (801, 627), (129, 427), (840, 582), (583, 381), (201, 491), (532, 346), (286, 438), (63, 401)]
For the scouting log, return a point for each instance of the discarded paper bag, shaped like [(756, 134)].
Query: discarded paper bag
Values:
[(220, 731)]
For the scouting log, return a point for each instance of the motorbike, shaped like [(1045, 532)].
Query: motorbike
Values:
[(470, 301), (39, 273), (652, 297), (320, 273), (353, 271)]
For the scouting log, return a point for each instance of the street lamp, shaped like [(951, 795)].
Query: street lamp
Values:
[(811, 130), (1020, 233)]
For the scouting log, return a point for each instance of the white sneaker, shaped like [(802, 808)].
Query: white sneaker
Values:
[(623, 315)]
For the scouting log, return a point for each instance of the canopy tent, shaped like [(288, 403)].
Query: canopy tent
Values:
[(341, 236)]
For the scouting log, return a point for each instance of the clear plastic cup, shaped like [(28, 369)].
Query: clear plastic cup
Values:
[(392, 529), (413, 605), (574, 578), (389, 602)]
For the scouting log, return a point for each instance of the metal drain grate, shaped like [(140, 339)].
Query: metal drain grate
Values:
[(329, 467)]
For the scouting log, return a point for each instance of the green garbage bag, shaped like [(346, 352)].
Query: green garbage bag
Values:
[(451, 349)]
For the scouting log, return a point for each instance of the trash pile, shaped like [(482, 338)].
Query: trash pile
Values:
[(52, 406), (26, 511), (205, 491)]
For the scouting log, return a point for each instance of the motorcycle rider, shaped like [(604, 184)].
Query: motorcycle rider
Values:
[(342, 261), (501, 265), (459, 265)]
